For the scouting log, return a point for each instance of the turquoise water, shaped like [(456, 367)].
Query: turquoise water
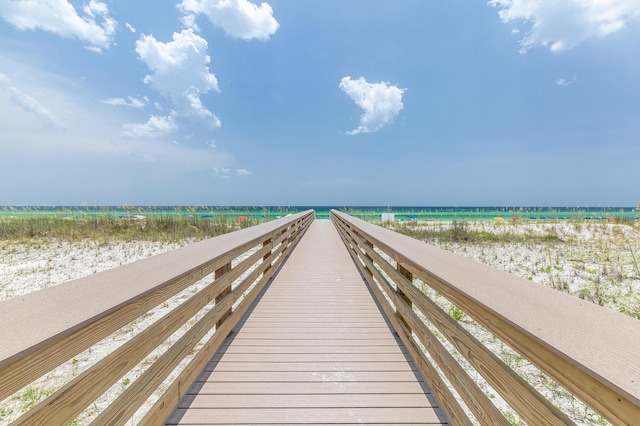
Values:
[(369, 213)]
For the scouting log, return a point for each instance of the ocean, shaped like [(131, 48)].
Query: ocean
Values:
[(369, 213)]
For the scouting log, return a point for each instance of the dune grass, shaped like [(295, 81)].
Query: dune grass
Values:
[(596, 260), (108, 228), (463, 232)]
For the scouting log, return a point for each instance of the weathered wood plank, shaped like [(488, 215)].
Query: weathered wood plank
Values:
[(307, 350), (475, 399), (307, 400), (313, 366), (440, 388), (371, 416), (315, 342), (316, 349), (47, 333), (316, 388), (590, 350), (310, 357), (378, 336), (312, 376), (163, 406)]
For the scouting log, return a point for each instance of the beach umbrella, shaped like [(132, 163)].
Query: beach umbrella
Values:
[(241, 218)]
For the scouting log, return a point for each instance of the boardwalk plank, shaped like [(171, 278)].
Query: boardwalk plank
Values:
[(315, 388), (313, 366), (286, 400), (263, 349), (371, 416), (312, 357), (312, 376), (315, 350)]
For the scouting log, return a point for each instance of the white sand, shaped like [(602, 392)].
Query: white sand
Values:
[(593, 261), (24, 269)]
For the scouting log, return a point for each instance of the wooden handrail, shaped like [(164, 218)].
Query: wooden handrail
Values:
[(44, 329), (591, 351)]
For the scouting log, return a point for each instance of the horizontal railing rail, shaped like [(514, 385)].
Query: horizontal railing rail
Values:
[(589, 350), (45, 329)]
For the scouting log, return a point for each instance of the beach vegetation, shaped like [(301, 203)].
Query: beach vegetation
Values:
[(456, 313), (106, 228), (31, 395), (463, 232), (595, 260)]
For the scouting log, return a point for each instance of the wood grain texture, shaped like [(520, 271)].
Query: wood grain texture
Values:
[(450, 404), (165, 404), (590, 350), (315, 349), (531, 406), (105, 302)]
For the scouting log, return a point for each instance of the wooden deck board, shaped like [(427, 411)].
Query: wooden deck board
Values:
[(379, 415), (313, 388), (315, 350), (308, 400)]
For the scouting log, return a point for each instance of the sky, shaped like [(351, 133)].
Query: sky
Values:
[(322, 103)]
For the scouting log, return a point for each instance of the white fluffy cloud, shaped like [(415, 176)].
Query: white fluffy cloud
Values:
[(563, 24), (381, 102), (238, 18), (180, 70), (95, 27), (155, 127)]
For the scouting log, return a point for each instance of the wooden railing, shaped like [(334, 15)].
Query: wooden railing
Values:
[(45, 329), (592, 352)]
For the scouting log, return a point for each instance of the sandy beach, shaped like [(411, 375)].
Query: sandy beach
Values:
[(596, 261)]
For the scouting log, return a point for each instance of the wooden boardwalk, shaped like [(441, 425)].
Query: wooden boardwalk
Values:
[(315, 350)]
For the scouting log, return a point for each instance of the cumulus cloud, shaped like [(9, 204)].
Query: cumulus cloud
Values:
[(155, 127), (94, 27), (237, 18), (381, 102), (128, 102), (243, 172), (561, 25), (30, 104), (180, 71)]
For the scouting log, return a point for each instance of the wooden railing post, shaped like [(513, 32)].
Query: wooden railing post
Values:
[(39, 333), (409, 276), (267, 257), (587, 349), (219, 273), (370, 244)]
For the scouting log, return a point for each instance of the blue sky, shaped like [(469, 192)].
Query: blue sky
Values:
[(332, 102)]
